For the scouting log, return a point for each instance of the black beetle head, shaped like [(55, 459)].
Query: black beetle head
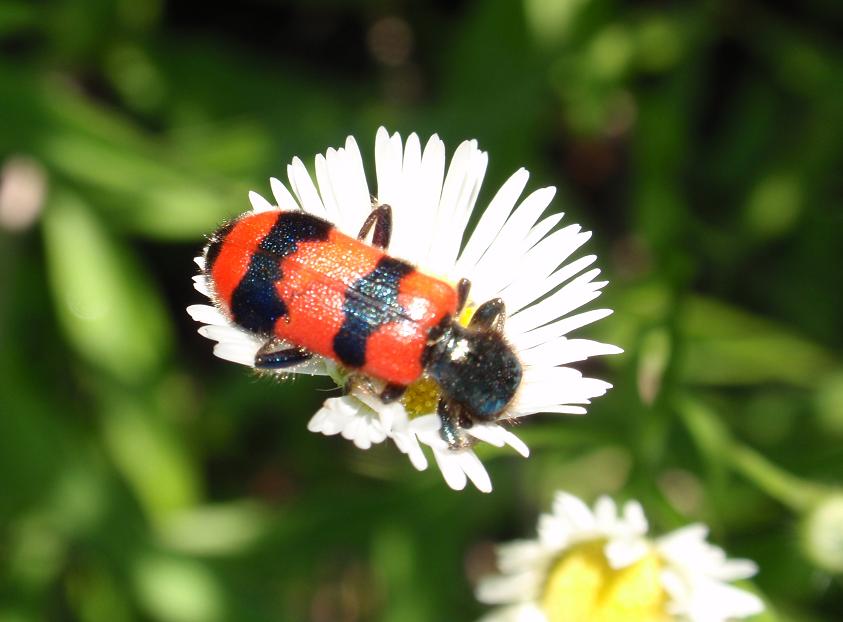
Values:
[(475, 368)]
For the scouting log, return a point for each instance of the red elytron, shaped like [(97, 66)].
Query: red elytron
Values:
[(294, 280), (331, 295)]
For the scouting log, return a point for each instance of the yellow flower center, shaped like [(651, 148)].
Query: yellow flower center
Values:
[(465, 315), (421, 398), (582, 587)]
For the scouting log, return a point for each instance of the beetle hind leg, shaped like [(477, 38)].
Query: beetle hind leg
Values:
[(270, 357), (392, 392), (381, 218)]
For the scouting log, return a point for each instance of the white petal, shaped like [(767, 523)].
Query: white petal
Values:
[(525, 612), (259, 204), (702, 600), (463, 206), (475, 470), (426, 425), (319, 422), (517, 444), (522, 341), (431, 177), (544, 386), (677, 589), (409, 444), (521, 296), (732, 602), (538, 268), (229, 333), (541, 228), (624, 553), (498, 436), (350, 428), (560, 409), (333, 416), (561, 351), (412, 224), (735, 570), (411, 180), (391, 415), (282, 196), (304, 189), (363, 429), (207, 314), (388, 159), (456, 465), (606, 512), (550, 252), (200, 284), (572, 296), (236, 353), (554, 532), (462, 183), (492, 220), (326, 189), (634, 517), (520, 555), (351, 191), (574, 511), (688, 538), (500, 265), (488, 433), (451, 470), (509, 587)]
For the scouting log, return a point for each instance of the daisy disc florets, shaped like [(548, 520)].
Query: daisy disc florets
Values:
[(514, 253), (599, 565)]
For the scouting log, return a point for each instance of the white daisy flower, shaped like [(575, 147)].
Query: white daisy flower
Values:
[(513, 253), (599, 566)]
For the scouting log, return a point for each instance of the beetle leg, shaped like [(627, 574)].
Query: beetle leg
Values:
[(392, 392), (463, 287), (453, 421), (381, 218), (491, 314), (268, 358)]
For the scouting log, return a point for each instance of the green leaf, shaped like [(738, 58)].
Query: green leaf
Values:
[(108, 308)]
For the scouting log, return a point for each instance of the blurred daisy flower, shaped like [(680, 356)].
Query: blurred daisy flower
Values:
[(513, 253), (600, 566)]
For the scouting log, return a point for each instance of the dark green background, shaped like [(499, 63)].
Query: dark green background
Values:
[(142, 478)]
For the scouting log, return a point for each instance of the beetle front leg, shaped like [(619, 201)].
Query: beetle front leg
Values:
[(452, 424), (463, 288), (491, 314)]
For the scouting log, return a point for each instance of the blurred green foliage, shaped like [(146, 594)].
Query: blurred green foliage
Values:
[(140, 478)]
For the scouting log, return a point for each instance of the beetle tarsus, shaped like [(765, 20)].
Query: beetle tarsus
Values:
[(269, 358)]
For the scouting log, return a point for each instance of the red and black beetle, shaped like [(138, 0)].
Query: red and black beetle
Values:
[(294, 279)]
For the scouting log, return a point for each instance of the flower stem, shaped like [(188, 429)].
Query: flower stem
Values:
[(717, 444), (798, 494)]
